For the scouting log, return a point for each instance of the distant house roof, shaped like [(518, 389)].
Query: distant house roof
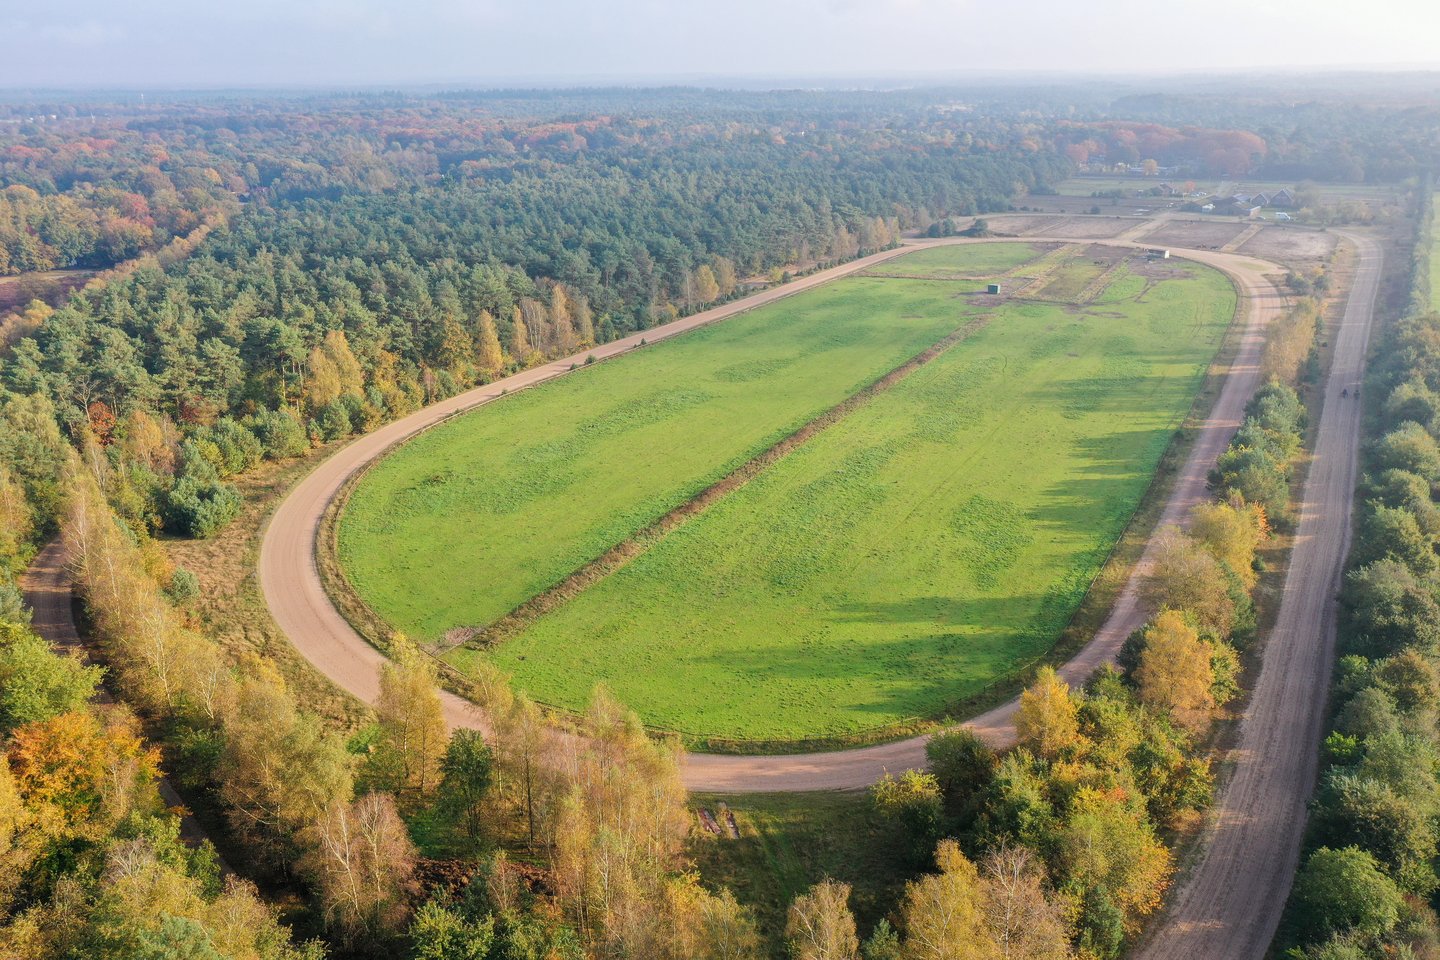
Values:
[(1260, 199), (1282, 198)]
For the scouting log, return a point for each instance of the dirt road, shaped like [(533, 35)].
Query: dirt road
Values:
[(46, 585), (292, 587), (1229, 904)]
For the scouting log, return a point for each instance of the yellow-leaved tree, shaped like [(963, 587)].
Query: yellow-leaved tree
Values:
[(1175, 672), (1232, 532), (1048, 718), (489, 358), (820, 925), (412, 721)]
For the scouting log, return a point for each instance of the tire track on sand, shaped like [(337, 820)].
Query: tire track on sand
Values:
[(1229, 904), (47, 589)]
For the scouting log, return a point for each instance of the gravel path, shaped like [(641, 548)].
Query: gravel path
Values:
[(1229, 904), (46, 585)]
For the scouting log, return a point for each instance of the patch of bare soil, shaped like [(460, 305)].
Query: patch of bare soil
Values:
[(1098, 228), (1291, 246), (1023, 225), (1196, 234)]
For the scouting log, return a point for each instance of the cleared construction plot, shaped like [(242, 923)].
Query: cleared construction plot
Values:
[(1092, 227), (1196, 233)]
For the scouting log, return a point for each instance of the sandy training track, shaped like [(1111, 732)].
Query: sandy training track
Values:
[(297, 599), (1229, 904)]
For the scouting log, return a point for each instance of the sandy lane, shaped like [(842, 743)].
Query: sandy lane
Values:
[(1229, 904), (46, 586), (292, 587)]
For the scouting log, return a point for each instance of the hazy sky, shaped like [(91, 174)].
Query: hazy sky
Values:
[(308, 42)]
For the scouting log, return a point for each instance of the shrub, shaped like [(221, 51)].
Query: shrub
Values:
[(1413, 401), (963, 767), (37, 684), (184, 587), (913, 802), (1394, 533), (1370, 815), (333, 422), (1342, 890), (1409, 447), (280, 433), (237, 448), (200, 508), (1387, 608)]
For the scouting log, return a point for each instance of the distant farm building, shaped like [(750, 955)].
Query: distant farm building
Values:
[(1232, 206), (1282, 198)]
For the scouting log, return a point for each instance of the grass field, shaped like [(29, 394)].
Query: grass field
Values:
[(471, 519), (914, 553), (1071, 279), (789, 841), (960, 263)]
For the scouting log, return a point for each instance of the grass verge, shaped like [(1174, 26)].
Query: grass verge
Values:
[(789, 841)]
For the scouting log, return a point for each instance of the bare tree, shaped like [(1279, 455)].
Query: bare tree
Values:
[(821, 926), (361, 861)]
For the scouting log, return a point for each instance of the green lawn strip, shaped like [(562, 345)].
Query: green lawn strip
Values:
[(621, 553), (966, 261), (1071, 280), (469, 520), (789, 841), (1124, 285), (910, 556)]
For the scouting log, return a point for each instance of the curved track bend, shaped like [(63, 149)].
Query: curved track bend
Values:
[(292, 587)]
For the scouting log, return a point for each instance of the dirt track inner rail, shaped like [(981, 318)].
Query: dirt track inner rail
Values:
[(1229, 905), (292, 587)]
